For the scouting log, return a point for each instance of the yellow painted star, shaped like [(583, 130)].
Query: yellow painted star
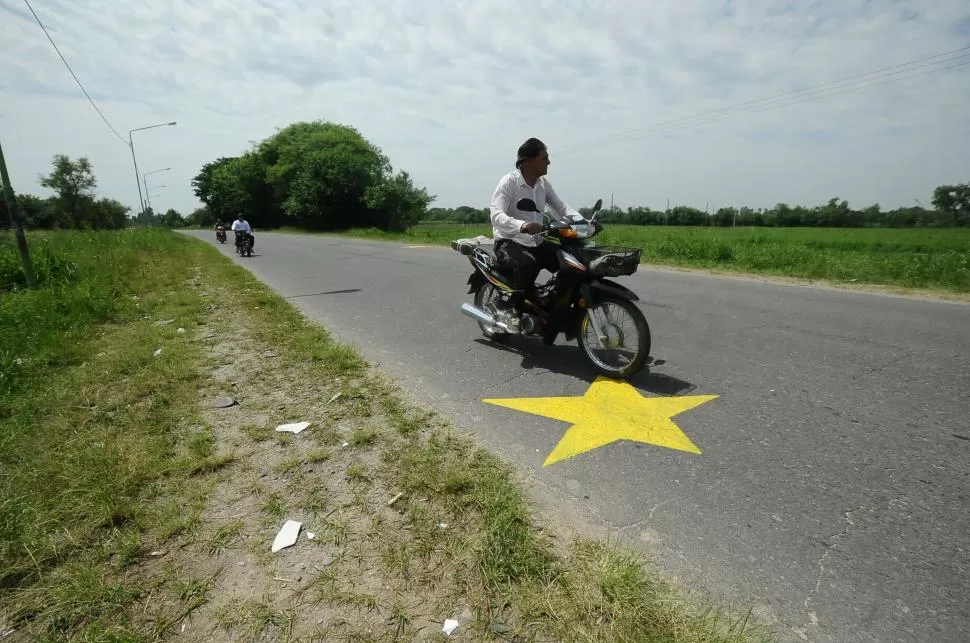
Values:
[(610, 410)]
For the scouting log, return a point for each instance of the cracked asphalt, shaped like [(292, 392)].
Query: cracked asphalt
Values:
[(832, 489)]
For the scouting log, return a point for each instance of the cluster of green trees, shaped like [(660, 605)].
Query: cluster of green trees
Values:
[(74, 206), (951, 208), (314, 175)]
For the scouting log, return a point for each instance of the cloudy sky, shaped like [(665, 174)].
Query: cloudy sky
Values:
[(644, 100)]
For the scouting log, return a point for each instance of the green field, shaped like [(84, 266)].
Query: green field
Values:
[(932, 259)]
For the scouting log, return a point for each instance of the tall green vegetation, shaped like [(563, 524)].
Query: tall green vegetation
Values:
[(951, 208), (313, 175), (73, 206)]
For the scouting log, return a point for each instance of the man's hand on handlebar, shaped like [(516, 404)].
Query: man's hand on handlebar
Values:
[(532, 227)]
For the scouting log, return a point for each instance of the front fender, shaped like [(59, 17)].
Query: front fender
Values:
[(607, 287)]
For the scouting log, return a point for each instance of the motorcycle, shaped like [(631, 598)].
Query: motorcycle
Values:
[(578, 301), (244, 246), (221, 234)]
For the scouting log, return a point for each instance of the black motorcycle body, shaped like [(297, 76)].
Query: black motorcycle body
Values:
[(245, 242), (573, 302)]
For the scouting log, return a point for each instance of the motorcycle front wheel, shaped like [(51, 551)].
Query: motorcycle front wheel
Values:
[(627, 338)]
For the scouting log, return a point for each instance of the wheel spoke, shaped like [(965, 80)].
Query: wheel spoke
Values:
[(483, 299), (623, 341)]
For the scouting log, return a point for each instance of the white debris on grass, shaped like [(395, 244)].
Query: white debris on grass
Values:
[(287, 535), (292, 428), (450, 626)]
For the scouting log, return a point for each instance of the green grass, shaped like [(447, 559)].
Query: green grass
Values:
[(92, 426), (932, 259)]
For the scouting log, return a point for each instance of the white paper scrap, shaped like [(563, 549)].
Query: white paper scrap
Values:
[(292, 428), (450, 626), (287, 536), (310, 535)]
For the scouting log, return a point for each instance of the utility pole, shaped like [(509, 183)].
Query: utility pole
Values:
[(11, 199), (134, 161), (141, 199)]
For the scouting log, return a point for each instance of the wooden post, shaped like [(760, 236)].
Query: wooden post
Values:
[(11, 199)]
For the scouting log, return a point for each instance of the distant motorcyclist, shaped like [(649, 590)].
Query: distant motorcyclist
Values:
[(241, 227), (517, 242)]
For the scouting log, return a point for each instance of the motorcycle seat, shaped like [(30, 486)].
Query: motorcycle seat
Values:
[(485, 250)]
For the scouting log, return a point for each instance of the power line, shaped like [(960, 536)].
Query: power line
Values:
[(90, 100), (809, 93), (672, 126), (793, 97)]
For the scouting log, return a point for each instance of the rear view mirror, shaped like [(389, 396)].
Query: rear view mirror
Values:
[(527, 205), (598, 206)]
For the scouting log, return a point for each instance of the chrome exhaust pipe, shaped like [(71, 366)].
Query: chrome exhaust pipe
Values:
[(478, 314), (484, 317)]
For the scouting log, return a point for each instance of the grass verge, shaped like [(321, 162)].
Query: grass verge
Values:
[(134, 510), (927, 259), (98, 459)]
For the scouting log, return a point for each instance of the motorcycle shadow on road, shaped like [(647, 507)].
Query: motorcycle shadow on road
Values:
[(566, 359)]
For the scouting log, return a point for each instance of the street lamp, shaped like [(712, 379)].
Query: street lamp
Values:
[(155, 195), (131, 144), (144, 178)]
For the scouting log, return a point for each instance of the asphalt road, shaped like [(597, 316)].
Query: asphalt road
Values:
[(832, 487)]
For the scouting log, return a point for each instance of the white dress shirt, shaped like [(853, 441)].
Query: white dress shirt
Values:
[(507, 220), (241, 224)]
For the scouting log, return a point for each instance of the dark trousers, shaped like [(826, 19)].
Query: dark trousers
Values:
[(240, 235), (526, 263)]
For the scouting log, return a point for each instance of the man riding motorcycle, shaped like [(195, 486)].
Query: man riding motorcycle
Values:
[(518, 243), (241, 227)]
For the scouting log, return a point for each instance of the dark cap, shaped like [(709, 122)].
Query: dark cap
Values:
[(529, 150)]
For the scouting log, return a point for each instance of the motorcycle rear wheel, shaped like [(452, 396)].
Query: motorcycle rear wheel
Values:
[(594, 353), (484, 299)]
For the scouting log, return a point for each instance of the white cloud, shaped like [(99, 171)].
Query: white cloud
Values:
[(449, 90)]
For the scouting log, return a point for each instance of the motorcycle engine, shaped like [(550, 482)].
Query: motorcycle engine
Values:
[(530, 323)]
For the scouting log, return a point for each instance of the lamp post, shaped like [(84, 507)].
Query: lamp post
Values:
[(131, 144), (149, 198), (144, 179)]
